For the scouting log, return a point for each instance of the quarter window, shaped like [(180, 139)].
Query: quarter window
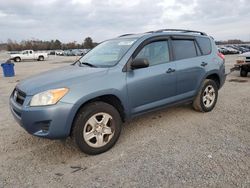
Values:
[(155, 52), (205, 45), (183, 49)]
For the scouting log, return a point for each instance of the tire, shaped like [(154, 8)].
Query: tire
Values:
[(206, 99), (243, 72), (88, 137), (40, 58), (17, 59)]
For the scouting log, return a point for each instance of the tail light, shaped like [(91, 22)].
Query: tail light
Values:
[(221, 55)]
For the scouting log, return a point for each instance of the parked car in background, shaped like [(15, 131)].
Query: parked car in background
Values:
[(28, 55), (243, 64), (68, 53), (246, 47), (120, 79), (243, 49), (223, 50), (59, 52), (228, 50), (232, 50), (85, 51), (75, 52), (240, 49)]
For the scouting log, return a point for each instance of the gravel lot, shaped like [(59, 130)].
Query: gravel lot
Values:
[(175, 147)]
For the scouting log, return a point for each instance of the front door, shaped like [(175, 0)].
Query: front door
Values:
[(155, 85)]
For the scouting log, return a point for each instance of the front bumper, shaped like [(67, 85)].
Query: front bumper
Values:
[(45, 121)]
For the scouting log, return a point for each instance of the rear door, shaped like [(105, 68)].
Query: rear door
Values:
[(190, 66)]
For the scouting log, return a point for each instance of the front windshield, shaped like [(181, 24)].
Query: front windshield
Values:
[(108, 53)]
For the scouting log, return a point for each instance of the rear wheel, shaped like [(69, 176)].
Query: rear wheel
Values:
[(206, 99), (96, 128), (243, 72), (17, 59), (40, 58)]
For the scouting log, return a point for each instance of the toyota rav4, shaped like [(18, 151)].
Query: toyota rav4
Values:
[(119, 79)]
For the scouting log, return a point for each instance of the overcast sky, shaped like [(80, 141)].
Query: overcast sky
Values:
[(73, 20)]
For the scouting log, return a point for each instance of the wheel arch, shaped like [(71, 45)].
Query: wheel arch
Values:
[(41, 56), (14, 58), (111, 99), (215, 77)]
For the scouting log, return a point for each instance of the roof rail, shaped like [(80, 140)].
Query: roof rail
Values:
[(166, 30), (180, 30), (126, 34)]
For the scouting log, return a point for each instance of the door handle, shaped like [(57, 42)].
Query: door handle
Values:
[(203, 64), (170, 70)]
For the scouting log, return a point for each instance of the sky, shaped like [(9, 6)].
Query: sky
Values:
[(73, 20)]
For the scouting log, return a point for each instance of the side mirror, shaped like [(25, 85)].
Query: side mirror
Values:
[(139, 63)]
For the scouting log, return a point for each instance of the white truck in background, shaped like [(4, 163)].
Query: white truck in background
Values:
[(28, 55)]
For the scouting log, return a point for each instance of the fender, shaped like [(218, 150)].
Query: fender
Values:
[(205, 77), (91, 96)]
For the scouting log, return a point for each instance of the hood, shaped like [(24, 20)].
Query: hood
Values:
[(60, 77)]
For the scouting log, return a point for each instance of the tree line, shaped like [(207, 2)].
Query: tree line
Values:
[(58, 45), (47, 45)]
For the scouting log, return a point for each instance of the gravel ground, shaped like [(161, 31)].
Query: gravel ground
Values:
[(175, 147)]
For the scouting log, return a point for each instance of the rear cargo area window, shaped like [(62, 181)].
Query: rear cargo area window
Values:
[(205, 45), (183, 49)]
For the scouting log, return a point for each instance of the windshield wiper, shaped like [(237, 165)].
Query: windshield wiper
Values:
[(83, 63), (86, 63)]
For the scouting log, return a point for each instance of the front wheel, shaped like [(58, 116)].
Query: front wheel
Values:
[(96, 128), (206, 99)]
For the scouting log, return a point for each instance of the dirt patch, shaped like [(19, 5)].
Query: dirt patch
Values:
[(238, 80)]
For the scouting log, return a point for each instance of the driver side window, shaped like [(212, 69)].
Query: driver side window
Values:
[(155, 52)]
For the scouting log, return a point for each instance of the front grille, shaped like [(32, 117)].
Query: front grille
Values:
[(19, 96), (247, 57)]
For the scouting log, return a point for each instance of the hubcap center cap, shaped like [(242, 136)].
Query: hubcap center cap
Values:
[(99, 128)]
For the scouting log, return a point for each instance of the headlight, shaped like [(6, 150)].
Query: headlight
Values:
[(49, 97)]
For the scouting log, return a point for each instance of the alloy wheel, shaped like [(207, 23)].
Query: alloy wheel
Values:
[(98, 130), (209, 96)]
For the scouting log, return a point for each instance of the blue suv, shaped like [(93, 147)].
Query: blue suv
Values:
[(119, 79)]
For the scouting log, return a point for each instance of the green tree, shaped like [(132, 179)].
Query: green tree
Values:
[(88, 43), (10, 45), (57, 44)]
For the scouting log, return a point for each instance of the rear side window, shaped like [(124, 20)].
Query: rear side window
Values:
[(205, 45), (183, 49)]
